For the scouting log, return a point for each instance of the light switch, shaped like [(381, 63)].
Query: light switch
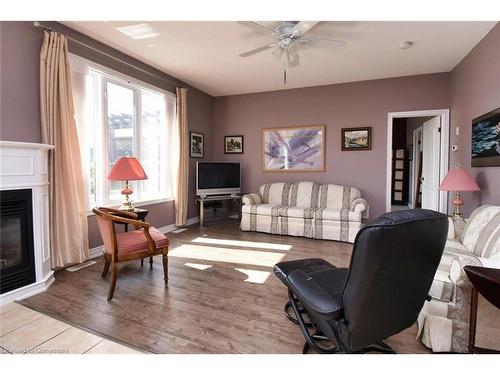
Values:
[(457, 130)]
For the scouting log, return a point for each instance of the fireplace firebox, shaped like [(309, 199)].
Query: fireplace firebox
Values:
[(17, 263)]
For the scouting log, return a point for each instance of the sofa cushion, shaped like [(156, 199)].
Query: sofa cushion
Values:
[(482, 232), (304, 194), (299, 212), (275, 193), (261, 209), (333, 214), (336, 196)]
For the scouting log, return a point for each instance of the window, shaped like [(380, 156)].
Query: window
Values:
[(116, 117)]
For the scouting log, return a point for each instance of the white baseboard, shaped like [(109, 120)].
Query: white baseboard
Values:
[(97, 251), (28, 290)]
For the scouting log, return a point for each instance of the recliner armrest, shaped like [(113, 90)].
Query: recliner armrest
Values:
[(253, 198), (312, 294)]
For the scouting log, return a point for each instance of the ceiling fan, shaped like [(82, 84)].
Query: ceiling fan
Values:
[(289, 35)]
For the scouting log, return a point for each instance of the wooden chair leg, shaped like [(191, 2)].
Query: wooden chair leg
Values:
[(142, 262), (114, 274), (106, 267), (165, 266), (150, 262)]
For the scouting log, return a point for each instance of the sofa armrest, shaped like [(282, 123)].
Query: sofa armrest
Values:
[(253, 198), (457, 273), (360, 205)]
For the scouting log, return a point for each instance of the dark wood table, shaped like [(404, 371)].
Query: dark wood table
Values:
[(485, 281)]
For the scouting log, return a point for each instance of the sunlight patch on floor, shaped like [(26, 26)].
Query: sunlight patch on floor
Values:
[(219, 254), (198, 266), (254, 276), (257, 245)]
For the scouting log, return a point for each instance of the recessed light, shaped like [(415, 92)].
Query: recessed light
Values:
[(139, 31), (406, 44)]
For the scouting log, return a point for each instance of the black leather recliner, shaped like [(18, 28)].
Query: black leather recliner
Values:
[(351, 310)]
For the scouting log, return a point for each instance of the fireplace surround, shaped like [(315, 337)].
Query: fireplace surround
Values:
[(25, 248)]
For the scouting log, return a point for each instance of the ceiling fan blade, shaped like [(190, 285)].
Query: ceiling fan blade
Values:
[(256, 26), (257, 50), (303, 27), (322, 42)]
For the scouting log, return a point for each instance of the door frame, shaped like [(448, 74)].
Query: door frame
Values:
[(444, 114), (414, 164)]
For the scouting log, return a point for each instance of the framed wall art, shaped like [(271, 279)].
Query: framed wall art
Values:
[(356, 139), (233, 144), (294, 149), (196, 141), (486, 140)]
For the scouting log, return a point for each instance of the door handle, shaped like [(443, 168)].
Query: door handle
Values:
[(421, 179)]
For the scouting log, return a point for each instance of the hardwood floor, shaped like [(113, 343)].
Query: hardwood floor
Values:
[(222, 295)]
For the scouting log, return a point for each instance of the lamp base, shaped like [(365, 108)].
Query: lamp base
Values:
[(126, 204), (458, 202)]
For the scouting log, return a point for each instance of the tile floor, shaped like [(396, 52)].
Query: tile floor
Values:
[(24, 331)]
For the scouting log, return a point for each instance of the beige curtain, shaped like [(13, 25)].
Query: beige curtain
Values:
[(68, 219), (182, 175)]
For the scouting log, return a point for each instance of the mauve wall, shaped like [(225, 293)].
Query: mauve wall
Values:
[(20, 109), (343, 105), (474, 91)]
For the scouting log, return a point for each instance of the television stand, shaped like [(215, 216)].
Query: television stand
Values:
[(210, 198)]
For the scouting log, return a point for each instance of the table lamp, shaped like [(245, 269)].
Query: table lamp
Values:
[(127, 169), (457, 180)]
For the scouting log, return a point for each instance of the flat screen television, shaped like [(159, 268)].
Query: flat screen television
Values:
[(217, 178)]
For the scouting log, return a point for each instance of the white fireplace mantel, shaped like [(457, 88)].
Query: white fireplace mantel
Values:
[(25, 166)]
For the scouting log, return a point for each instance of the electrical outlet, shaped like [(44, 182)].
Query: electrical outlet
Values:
[(454, 148)]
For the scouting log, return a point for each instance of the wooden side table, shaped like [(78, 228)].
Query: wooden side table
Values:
[(485, 281), (141, 215)]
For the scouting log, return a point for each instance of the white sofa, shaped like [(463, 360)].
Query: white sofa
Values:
[(307, 209), (444, 321)]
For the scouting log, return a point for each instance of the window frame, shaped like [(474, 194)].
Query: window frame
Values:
[(107, 75)]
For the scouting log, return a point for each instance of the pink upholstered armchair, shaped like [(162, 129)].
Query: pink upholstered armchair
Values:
[(145, 241)]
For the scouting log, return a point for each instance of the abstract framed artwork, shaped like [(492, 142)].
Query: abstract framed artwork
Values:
[(233, 144), (356, 139), (294, 149), (486, 140), (196, 141)]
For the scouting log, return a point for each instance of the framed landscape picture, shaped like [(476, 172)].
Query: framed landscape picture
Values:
[(294, 149), (356, 139), (196, 144), (233, 144), (486, 140)]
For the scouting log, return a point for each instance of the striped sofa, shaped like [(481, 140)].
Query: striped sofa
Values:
[(307, 209), (444, 321)]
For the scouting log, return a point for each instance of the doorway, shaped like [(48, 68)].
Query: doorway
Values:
[(417, 159)]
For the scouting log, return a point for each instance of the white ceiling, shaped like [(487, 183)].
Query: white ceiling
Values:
[(206, 54)]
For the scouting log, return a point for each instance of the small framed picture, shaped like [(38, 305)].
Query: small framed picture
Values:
[(197, 144), (356, 139), (233, 144)]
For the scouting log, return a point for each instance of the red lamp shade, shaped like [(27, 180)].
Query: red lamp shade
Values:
[(458, 179), (127, 169)]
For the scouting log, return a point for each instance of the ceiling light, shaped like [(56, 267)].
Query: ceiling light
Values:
[(406, 44), (139, 31)]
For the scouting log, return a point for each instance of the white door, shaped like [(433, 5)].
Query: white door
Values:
[(431, 141)]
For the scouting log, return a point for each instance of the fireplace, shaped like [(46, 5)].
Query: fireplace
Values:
[(25, 267), (17, 256)]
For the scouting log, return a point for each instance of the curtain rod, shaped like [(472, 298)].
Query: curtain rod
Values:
[(38, 24)]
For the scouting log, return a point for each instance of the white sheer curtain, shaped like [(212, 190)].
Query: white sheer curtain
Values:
[(68, 219)]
